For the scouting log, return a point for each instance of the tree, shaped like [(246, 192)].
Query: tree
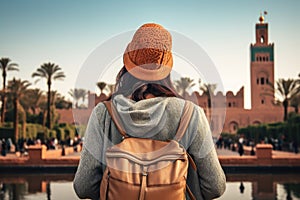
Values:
[(111, 88), (17, 89), (183, 84), (54, 116), (61, 103), (83, 94), (101, 86), (50, 72), (31, 100), (5, 66), (208, 90), (78, 94), (295, 102), (43, 107), (284, 92)]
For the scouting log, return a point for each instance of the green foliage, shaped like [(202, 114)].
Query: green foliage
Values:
[(234, 137), (60, 131), (63, 131), (52, 134), (80, 130), (34, 118), (7, 132), (290, 130)]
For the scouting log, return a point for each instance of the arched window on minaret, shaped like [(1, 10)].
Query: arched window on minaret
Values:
[(262, 39), (257, 81), (262, 80)]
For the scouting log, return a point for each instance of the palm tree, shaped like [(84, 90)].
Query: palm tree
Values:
[(295, 102), (78, 94), (50, 72), (101, 86), (17, 89), (53, 95), (111, 88), (284, 92), (43, 107), (5, 66), (208, 90), (31, 100), (183, 84), (83, 93), (62, 103)]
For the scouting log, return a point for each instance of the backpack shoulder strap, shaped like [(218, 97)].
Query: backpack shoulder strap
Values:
[(183, 125), (115, 117), (184, 120)]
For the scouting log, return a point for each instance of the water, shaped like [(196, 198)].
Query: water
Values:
[(239, 186)]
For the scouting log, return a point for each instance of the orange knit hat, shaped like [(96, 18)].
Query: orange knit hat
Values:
[(148, 56)]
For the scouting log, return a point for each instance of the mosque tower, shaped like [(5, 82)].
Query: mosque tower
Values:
[(261, 67)]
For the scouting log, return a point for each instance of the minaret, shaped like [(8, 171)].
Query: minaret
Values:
[(261, 67)]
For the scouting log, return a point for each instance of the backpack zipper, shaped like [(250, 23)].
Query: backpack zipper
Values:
[(144, 162)]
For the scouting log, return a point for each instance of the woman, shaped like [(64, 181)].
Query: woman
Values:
[(149, 107)]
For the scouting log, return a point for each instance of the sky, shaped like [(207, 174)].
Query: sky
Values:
[(66, 32)]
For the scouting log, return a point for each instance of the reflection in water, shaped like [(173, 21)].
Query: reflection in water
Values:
[(12, 191), (292, 188), (48, 191), (35, 186), (242, 188), (239, 186), (262, 186)]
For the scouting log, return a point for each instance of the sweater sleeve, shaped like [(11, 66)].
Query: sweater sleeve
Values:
[(87, 178), (90, 169), (211, 181)]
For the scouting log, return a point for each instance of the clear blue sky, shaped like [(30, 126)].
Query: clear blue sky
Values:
[(67, 31)]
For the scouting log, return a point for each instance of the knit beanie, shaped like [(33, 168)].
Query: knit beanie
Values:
[(148, 56)]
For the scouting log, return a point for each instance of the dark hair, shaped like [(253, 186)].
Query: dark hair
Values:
[(137, 89)]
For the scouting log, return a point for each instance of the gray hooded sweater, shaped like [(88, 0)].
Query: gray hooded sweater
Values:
[(157, 118)]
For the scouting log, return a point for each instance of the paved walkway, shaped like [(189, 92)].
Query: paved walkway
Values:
[(226, 152), (220, 152)]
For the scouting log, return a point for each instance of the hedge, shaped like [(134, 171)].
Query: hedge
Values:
[(60, 131), (289, 130)]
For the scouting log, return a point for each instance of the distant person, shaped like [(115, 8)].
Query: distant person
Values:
[(3, 147), (295, 146), (219, 142), (148, 107), (241, 146), (252, 152), (9, 144), (233, 148)]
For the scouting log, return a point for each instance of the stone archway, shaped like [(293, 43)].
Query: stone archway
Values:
[(256, 123), (233, 127)]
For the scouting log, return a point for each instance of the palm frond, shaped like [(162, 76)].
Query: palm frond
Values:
[(59, 76), (13, 67)]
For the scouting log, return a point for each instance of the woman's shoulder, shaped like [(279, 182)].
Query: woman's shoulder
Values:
[(175, 102), (99, 111)]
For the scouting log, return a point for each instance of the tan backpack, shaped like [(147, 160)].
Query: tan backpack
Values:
[(142, 168)]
